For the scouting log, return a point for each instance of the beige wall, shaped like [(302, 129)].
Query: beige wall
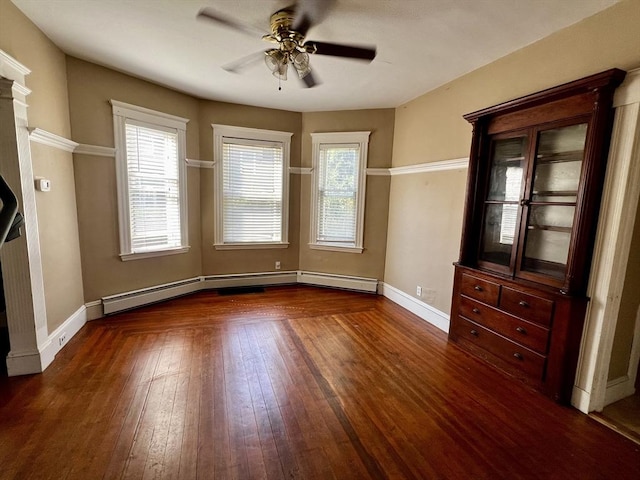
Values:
[(49, 110), (369, 263), (423, 237), (90, 89), (245, 261), (58, 228), (431, 128)]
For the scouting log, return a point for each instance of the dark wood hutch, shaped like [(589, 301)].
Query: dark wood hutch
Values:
[(536, 172)]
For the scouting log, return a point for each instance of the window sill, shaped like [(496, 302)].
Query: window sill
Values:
[(249, 246), (335, 247), (125, 257)]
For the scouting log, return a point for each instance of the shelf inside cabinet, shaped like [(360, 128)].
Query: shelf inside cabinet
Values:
[(560, 157), (555, 193), (551, 228)]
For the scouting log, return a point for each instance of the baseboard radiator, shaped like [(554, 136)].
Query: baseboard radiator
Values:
[(137, 298)]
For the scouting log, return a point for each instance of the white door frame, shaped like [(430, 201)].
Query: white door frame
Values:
[(611, 252)]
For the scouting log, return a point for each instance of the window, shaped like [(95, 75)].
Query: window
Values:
[(151, 176), (251, 187), (338, 176)]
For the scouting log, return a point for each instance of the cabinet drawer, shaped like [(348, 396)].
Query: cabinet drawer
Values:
[(523, 359), (480, 289), (524, 305), (528, 334)]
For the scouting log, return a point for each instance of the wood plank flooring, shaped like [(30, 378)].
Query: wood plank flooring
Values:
[(293, 383)]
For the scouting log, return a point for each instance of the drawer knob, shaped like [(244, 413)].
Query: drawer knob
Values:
[(524, 304), (518, 356), (474, 333), (475, 310), (521, 330), (477, 288)]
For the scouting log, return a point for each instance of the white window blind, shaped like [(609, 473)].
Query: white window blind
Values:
[(337, 193), (510, 211), (252, 182), (153, 186)]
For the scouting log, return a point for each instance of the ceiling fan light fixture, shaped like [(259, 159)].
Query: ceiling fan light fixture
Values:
[(300, 62), (277, 62)]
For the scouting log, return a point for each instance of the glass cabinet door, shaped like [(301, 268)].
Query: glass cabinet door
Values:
[(500, 220), (556, 177)]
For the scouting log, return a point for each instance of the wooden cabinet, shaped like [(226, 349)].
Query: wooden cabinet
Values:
[(536, 172)]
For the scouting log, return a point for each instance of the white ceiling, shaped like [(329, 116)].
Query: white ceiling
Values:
[(421, 44)]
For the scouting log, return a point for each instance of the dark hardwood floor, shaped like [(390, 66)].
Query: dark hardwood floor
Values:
[(295, 382)]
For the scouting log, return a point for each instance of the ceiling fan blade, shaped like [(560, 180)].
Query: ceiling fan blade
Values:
[(337, 50), (309, 80), (310, 13), (238, 65), (208, 13)]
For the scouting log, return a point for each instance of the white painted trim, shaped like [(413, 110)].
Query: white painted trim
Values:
[(191, 162), (7, 59), (69, 328), (361, 284), (331, 140), (443, 165), (122, 113), (333, 247), (424, 311), (21, 90), (629, 91), (611, 253), (241, 134), (125, 257), (29, 362), (94, 310), (147, 115), (51, 139), (378, 172), (145, 296), (21, 259), (250, 246), (300, 170), (24, 363), (95, 150)]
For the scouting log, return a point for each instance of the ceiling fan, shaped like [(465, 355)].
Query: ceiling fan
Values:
[(289, 27)]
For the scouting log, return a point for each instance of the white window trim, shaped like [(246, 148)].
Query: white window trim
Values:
[(121, 112), (220, 132), (318, 139)]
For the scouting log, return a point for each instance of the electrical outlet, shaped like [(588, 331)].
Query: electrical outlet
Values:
[(278, 265), (418, 291), (62, 338)]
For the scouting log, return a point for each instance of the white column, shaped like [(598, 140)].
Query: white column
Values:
[(21, 261), (611, 252)]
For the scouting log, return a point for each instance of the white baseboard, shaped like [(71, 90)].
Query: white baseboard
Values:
[(581, 399), (360, 284), (25, 363), (94, 310), (65, 332), (417, 307), (619, 388)]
